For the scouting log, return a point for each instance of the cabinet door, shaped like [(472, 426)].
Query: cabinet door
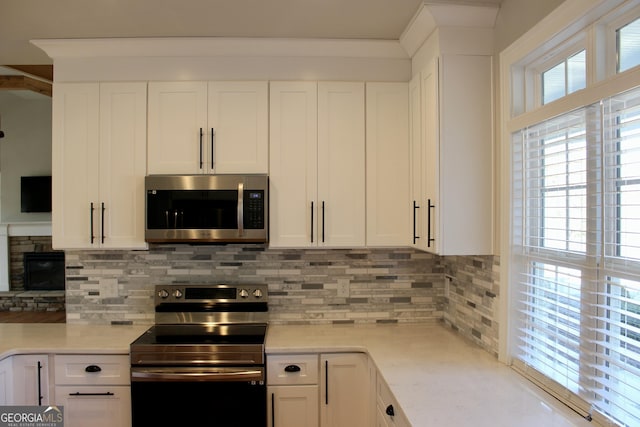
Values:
[(96, 406), (238, 127), (466, 157), (416, 204), (293, 157), (341, 164), (177, 128), (30, 379), (431, 158), (293, 406), (75, 165), (6, 381), (123, 160), (344, 392), (381, 418), (387, 164)]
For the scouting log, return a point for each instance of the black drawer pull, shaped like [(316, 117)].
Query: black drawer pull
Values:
[(390, 411), (93, 368), (77, 393), (292, 368)]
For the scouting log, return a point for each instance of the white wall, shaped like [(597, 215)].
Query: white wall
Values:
[(24, 151)]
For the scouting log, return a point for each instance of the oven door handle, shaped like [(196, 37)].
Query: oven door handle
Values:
[(191, 374)]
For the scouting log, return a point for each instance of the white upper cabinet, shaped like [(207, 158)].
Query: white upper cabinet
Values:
[(317, 157), (215, 127), (98, 165), (452, 161), (387, 161), (239, 123), (341, 164), (177, 127), (293, 157)]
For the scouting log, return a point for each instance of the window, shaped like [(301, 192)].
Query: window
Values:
[(564, 78), (577, 192), (573, 264), (628, 46)]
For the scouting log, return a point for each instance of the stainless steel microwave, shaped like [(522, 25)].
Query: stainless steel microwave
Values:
[(207, 208)]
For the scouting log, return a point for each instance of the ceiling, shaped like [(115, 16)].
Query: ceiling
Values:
[(24, 20)]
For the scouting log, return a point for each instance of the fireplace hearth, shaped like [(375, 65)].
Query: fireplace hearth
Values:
[(44, 271)]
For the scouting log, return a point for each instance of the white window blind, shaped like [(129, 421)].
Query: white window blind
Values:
[(576, 256)]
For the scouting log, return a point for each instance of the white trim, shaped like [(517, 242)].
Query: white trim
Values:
[(219, 46), (5, 280), (559, 25), (431, 15)]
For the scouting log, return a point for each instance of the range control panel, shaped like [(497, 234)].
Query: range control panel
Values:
[(211, 294)]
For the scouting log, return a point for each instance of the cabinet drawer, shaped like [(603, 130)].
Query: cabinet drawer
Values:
[(95, 406), (385, 399), (92, 369), (292, 369)]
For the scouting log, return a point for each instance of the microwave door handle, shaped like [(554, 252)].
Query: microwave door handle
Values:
[(240, 209)]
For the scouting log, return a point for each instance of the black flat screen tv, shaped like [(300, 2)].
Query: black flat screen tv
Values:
[(35, 193)]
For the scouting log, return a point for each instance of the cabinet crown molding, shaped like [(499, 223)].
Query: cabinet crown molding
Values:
[(219, 47), (432, 15)]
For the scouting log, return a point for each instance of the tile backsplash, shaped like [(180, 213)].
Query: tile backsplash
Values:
[(305, 285)]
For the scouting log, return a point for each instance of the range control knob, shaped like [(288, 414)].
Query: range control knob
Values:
[(177, 293), (244, 293), (163, 293), (257, 293)]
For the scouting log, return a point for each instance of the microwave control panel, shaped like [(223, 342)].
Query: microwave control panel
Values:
[(254, 209)]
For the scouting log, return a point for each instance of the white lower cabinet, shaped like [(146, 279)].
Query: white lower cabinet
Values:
[(344, 391), (292, 390), (388, 412), (6, 381), (94, 389), (293, 406), (24, 380), (96, 406), (310, 390)]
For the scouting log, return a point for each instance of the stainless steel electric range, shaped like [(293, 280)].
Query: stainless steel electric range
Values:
[(203, 362)]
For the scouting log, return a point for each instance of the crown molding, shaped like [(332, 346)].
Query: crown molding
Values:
[(432, 15), (219, 47)]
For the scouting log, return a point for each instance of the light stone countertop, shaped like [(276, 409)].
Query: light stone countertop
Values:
[(30, 338), (437, 377)]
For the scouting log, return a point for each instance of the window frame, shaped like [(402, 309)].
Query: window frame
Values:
[(597, 21)]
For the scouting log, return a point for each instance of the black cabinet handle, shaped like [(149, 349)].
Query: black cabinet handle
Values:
[(273, 410), (93, 368), (77, 393), (429, 238), (91, 222), (326, 382), (201, 161), (311, 221), (40, 384), (292, 368), (212, 135), (415, 206), (323, 221), (390, 411), (102, 224)]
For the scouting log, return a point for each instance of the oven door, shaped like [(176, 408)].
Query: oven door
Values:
[(198, 396)]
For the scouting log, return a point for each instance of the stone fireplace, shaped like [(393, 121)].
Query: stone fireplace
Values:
[(18, 246), (43, 297)]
